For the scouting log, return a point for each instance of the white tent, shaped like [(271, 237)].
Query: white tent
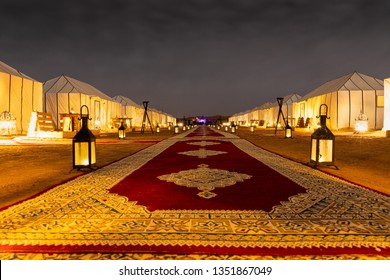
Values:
[(65, 95), (264, 114), (130, 110), (135, 112), (20, 95), (386, 121), (346, 97), (287, 109)]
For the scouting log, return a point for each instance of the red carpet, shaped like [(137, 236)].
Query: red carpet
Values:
[(204, 131), (265, 189), (207, 193)]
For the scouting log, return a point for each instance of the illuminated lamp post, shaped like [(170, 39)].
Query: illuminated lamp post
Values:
[(288, 131), (322, 142), (121, 131), (84, 144), (176, 129), (252, 128), (158, 128)]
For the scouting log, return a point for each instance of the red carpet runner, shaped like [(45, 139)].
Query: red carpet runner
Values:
[(263, 189), (201, 192)]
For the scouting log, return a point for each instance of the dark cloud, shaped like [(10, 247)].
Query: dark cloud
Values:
[(200, 56)]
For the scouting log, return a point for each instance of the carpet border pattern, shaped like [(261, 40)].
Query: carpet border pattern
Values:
[(331, 213)]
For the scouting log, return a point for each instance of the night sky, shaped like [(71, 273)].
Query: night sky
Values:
[(197, 57)]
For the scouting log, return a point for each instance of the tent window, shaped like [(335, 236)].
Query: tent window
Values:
[(380, 101)]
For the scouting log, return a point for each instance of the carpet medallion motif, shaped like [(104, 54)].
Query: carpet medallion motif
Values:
[(205, 179), (328, 212), (202, 153), (203, 143)]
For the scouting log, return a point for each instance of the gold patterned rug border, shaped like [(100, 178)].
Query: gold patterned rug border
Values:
[(137, 256)]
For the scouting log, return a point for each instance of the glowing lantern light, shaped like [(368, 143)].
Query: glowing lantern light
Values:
[(322, 142), (122, 131), (288, 131), (158, 128), (233, 129), (361, 123), (176, 130), (252, 128), (84, 144), (7, 123)]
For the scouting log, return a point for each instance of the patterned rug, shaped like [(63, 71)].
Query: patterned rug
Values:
[(155, 203)]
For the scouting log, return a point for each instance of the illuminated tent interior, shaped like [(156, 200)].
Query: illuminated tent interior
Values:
[(20, 95), (347, 97), (263, 113), (386, 122), (267, 114), (131, 111), (351, 99), (65, 95), (287, 110)]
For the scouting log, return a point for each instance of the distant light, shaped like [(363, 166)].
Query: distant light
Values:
[(84, 144), (122, 131), (7, 124), (322, 142), (288, 131), (361, 123)]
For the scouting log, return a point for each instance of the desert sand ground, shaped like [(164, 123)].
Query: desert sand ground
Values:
[(30, 167)]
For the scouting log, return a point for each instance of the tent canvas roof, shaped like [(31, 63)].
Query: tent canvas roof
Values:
[(125, 101), (289, 99), (4, 68), (352, 81), (65, 84)]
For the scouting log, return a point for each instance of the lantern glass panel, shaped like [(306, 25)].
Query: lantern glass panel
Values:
[(325, 150), (81, 153), (313, 150), (122, 134)]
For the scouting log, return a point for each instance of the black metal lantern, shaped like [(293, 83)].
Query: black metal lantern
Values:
[(288, 131), (121, 131), (84, 144), (322, 142)]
